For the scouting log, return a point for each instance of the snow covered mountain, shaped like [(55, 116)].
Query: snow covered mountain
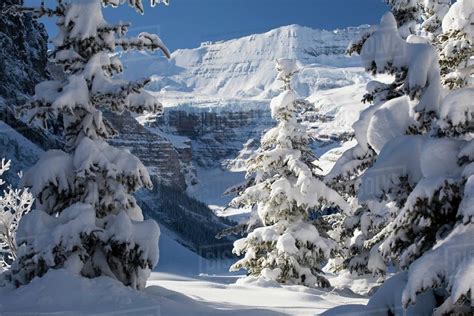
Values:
[(217, 96), (244, 68)]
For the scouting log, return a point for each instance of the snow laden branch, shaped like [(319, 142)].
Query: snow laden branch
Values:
[(456, 46), (86, 218), (406, 13), (413, 62), (283, 190), (14, 204), (43, 10)]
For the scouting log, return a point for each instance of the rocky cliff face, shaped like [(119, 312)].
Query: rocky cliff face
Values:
[(215, 135), (222, 137), (157, 153), (23, 52), (23, 58)]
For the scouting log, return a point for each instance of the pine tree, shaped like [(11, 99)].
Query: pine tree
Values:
[(86, 218), (405, 106), (432, 235), (428, 174), (283, 189), (425, 18)]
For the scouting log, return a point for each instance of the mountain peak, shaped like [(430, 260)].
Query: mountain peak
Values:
[(244, 68)]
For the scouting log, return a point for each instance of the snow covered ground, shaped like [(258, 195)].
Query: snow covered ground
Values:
[(216, 292), (183, 284), (166, 294)]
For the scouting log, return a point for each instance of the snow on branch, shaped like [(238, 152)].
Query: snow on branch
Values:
[(14, 205)]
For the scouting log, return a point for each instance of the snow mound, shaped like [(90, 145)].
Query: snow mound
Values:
[(61, 292), (388, 301), (52, 294)]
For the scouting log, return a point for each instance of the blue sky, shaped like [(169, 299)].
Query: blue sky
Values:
[(187, 23)]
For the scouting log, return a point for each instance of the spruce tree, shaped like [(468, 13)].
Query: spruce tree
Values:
[(283, 190), (405, 106), (86, 218), (427, 176), (432, 235)]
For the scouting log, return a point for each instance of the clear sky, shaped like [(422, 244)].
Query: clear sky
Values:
[(187, 23)]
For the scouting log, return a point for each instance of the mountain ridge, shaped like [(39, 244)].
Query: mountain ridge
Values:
[(244, 68)]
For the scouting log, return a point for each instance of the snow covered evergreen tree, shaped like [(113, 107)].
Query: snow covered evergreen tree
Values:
[(405, 106), (282, 189), (14, 204), (425, 175), (419, 16), (432, 235), (86, 218)]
